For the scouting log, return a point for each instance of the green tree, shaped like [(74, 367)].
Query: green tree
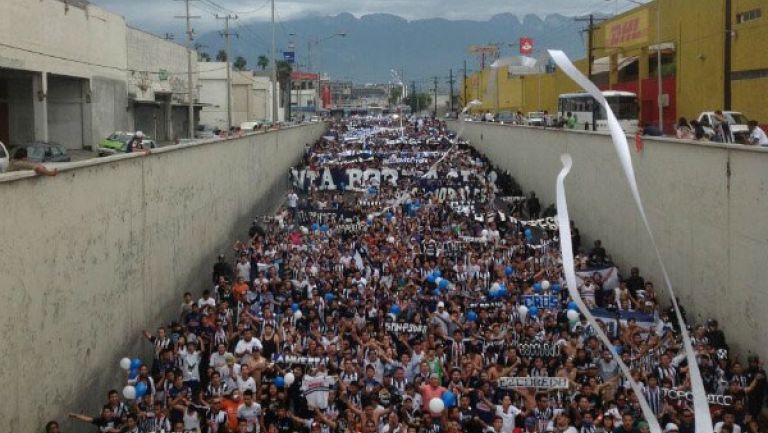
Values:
[(262, 62), (240, 63), (221, 56), (203, 57), (284, 70), (419, 102), (394, 95)]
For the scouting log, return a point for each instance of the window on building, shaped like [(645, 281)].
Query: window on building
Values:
[(747, 16)]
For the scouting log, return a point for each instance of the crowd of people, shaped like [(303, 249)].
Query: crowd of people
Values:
[(408, 286)]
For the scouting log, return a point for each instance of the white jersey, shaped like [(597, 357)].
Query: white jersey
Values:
[(251, 415), (316, 390)]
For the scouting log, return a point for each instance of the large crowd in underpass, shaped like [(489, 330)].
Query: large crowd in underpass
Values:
[(408, 286)]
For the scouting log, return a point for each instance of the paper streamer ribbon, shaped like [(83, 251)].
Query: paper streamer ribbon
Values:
[(566, 247), (700, 404)]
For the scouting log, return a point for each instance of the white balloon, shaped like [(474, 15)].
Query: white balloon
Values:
[(304, 230), (436, 405), (289, 378), (572, 315), (297, 315), (484, 233), (545, 285), (129, 392), (495, 287), (391, 239), (125, 363), (437, 280), (523, 310)]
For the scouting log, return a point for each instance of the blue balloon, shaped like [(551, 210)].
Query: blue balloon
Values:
[(528, 233), (315, 227), (394, 309), (443, 284), (537, 287), (324, 228), (279, 381), (388, 216), (436, 292), (471, 316), (133, 373), (135, 363), (369, 221), (509, 271), (431, 278), (437, 273), (555, 288), (449, 399), (502, 292), (294, 307), (572, 306), (533, 311), (329, 297), (141, 389)]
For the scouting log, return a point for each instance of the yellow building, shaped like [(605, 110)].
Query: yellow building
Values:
[(692, 38)]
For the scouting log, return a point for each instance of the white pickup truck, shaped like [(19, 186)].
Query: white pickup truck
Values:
[(736, 120)]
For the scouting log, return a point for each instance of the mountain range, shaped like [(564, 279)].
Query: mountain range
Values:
[(377, 43)]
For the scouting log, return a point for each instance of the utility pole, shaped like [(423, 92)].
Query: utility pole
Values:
[(450, 81), (590, 41), (229, 62), (435, 97), (727, 57), (464, 83), (274, 68), (415, 97), (190, 94), (590, 49)]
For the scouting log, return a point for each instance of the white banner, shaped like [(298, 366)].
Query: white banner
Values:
[(533, 382), (609, 276)]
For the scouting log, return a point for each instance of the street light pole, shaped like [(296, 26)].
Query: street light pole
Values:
[(274, 69)]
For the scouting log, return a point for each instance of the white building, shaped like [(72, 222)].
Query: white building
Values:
[(157, 80), (251, 96), (62, 72)]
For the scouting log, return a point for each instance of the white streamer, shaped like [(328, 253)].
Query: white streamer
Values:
[(700, 404), (566, 248)]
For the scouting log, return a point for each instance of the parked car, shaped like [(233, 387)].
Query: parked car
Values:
[(505, 117), (205, 131), (5, 158), (315, 119), (40, 151), (118, 143), (736, 120), (536, 118)]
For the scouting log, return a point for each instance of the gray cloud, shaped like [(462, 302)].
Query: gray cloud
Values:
[(157, 15)]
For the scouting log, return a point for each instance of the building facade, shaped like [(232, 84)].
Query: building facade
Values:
[(712, 57)]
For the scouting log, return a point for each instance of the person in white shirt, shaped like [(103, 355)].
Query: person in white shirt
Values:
[(245, 382), (247, 344), (251, 412), (757, 136), (507, 412), (729, 419)]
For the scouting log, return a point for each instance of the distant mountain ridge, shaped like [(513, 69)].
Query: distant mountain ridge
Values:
[(377, 43)]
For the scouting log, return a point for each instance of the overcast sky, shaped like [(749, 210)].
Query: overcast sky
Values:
[(157, 15)]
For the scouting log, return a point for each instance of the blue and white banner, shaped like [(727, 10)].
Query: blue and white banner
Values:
[(609, 318), (549, 302), (609, 277)]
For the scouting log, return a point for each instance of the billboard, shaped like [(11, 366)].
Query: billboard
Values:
[(630, 30), (289, 56), (304, 76)]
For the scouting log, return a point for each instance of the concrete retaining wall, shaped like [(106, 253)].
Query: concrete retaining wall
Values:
[(104, 250), (707, 204)]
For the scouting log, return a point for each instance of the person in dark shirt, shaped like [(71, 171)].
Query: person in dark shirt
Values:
[(756, 386), (715, 336), (534, 207), (635, 282), (222, 269), (106, 423), (597, 255), (627, 425)]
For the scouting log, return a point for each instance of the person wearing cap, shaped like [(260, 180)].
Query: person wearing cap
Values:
[(136, 144)]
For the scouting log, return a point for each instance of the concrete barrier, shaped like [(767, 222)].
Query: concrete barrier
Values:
[(105, 249), (707, 204)]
